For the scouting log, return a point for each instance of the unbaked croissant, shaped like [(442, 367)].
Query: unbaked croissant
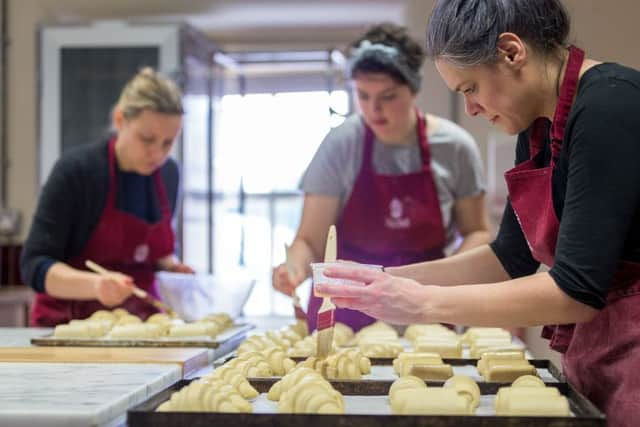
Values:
[(278, 360), (255, 343), (466, 386), (404, 383), (228, 375), (206, 396), (136, 330), (401, 364), (251, 364), (234, 379), (531, 400), (342, 334), (292, 378), (381, 348), (430, 401), (312, 396)]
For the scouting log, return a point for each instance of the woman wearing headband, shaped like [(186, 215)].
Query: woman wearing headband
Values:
[(574, 200), (401, 185)]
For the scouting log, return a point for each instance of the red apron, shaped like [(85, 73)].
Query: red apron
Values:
[(388, 220), (120, 242), (600, 356)]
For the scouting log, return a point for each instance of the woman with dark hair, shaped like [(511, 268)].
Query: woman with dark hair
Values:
[(574, 200), (401, 185)]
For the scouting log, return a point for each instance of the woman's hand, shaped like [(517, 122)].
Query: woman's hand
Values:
[(383, 296), (283, 281), (113, 289)]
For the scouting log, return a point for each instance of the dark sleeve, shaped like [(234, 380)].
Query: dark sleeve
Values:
[(59, 206), (171, 179), (603, 191), (510, 246)]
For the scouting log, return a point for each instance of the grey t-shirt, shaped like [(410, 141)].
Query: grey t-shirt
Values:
[(455, 162)]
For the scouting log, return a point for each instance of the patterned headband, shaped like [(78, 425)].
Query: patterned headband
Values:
[(388, 56)]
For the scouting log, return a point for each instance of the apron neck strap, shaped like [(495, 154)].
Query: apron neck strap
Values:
[(563, 108), (421, 128)]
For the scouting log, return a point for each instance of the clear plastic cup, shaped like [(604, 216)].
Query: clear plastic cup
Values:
[(318, 269)]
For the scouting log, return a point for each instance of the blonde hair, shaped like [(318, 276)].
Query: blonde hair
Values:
[(147, 90)]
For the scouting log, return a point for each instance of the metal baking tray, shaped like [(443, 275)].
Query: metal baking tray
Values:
[(585, 414), (228, 339)]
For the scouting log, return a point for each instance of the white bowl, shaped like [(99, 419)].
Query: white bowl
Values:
[(193, 296)]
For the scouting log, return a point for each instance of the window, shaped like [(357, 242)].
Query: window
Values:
[(263, 144)]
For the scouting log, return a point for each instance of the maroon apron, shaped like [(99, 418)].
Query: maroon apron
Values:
[(388, 220), (600, 356), (120, 242)]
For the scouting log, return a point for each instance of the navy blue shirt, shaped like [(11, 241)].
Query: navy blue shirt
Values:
[(72, 202)]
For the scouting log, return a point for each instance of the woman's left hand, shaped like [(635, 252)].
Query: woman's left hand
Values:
[(383, 296)]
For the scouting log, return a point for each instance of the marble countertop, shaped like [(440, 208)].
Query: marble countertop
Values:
[(77, 394), (83, 394)]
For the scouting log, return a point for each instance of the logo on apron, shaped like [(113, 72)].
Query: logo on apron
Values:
[(395, 220), (141, 253)]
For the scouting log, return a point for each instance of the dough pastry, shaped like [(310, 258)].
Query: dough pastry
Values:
[(300, 327), (473, 334), (528, 381), (540, 401), (103, 315), (98, 328), (404, 383), (465, 386), (279, 339), (507, 370), (381, 348), (278, 360), (477, 352), (205, 396), (342, 334), (235, 380), (311, 396), (304, 348), (222, 319), (428, 330), (408, 358), (360, 359), (292, 378), (289, 334), (128, 319), (76, 330), (378, 331), (136, 330), (120, 312), (255, 343), (430, 401), (253, 365), (431, 372), (445, 346), (491, 356), (341, 366), (159, 318)]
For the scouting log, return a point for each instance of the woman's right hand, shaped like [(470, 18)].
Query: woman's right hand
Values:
[(283, 282), (113, 289)]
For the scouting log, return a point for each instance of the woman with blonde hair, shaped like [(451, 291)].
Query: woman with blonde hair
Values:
[(110, 202)]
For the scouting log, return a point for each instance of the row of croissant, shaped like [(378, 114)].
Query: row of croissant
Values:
[(304, 388), (120, 324)]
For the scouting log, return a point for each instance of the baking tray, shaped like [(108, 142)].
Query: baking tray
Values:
[(227, 341), (585, 414), (382, 369)]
